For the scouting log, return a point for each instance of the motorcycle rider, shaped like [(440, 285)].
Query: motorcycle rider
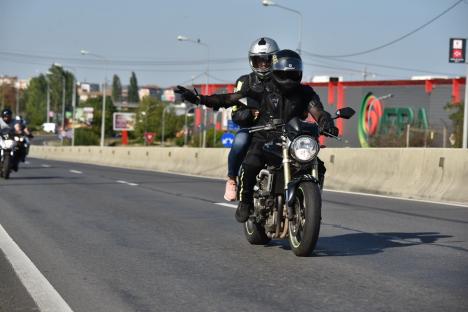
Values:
[(250, 85), (6, 121), (21, 128), (284, 98)]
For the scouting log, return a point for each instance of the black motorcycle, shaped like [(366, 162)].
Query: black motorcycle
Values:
[(287, 195)]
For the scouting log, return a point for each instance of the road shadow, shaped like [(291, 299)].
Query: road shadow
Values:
[(358, 244)]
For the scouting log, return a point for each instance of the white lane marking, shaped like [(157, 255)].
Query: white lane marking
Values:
[(76, 171), (42, 292), (227, 205), (45, 166), (27, 162), (125, 182), (401, 198)]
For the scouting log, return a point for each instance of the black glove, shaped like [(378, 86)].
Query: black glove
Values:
[(327, 125), (187, 95)]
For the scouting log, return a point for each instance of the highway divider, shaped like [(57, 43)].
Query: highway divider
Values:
[(421, 173)]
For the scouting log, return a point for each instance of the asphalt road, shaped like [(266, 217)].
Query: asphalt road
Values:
[(111, 239)]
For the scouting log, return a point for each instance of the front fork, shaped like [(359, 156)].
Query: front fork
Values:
[(287, 179)]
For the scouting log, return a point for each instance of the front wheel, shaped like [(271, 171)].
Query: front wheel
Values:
[(255, 233), (6, 166), (304, 228)]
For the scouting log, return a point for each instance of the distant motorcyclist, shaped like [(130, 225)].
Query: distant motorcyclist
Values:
[(7, 119), (250, 85), (21, 129), (284, 98)]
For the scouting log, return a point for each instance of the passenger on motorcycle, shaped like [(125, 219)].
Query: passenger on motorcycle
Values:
[(250, 85), (284, 98)]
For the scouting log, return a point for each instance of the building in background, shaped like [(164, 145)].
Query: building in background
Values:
[(88, 90)]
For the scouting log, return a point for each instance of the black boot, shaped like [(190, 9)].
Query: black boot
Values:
[(243, 212)]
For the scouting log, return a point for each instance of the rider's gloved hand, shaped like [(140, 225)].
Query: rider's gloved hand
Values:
[(327, 124), (187, 95)]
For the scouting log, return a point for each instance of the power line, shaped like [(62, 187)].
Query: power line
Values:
[(395, 40), (419, 70), (155, 70), (122, 61)]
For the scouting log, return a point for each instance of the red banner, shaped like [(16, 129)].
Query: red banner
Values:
[(456, 91), (331, 92), (428, 86), (340, 104), (198, 116)]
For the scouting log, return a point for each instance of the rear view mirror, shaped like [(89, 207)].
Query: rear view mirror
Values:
[(345, 113)]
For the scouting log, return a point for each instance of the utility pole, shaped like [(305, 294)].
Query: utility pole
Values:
[(465, 115)]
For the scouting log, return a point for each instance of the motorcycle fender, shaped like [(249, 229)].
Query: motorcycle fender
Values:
[(292, 188)]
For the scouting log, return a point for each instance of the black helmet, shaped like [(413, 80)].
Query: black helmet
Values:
[(7, 113), (287, 69)]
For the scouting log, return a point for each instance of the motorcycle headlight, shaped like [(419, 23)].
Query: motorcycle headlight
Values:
[(17, 138), (304, 148), (8, 144)]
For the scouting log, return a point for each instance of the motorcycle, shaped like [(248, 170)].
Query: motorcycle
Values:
[(8, 148), (287, 194), (22, 147)]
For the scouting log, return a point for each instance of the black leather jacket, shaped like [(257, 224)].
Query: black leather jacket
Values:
[(246, 86), (277, 104)]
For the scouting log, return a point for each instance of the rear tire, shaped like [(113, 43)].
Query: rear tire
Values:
[(255, 233), (6, 166), (304, 228)]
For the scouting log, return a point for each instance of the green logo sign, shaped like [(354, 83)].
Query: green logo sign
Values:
[(374, 119)]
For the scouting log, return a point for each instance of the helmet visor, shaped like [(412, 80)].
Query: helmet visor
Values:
[(287, 64), (261, 62), (284, 75)]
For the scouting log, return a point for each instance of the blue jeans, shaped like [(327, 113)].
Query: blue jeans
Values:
[(239, 148)]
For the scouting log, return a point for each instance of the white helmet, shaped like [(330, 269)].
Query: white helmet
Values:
[(260, 55)]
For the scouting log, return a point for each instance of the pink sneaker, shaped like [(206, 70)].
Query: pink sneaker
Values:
[(231, 190)]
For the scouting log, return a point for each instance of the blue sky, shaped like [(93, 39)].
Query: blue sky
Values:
[(141, 36)]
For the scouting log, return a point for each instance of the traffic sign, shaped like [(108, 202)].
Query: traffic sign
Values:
[(457, 49), (227, 139)]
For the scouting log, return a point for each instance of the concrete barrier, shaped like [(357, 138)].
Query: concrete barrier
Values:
[(435, 174)]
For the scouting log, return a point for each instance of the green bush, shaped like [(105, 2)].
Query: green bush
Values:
[(86, 137)]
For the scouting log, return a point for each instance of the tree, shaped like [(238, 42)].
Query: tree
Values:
[(56, 77), (96, 103), (116, 89), (456, 111), (36, 101), (149, 119), (133, 90)]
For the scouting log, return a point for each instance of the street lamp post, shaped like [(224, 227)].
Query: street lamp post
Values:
[(144, 126), (63, 106), (73, 103), (48, 96), (465, 113), (103, 119), (273, 4), (198, 41), (163, 127)]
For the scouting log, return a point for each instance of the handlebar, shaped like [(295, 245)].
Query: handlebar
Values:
[(267, 127)]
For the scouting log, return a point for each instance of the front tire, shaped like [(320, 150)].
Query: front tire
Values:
[(304, 228), (255, 233), (6, 166)]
